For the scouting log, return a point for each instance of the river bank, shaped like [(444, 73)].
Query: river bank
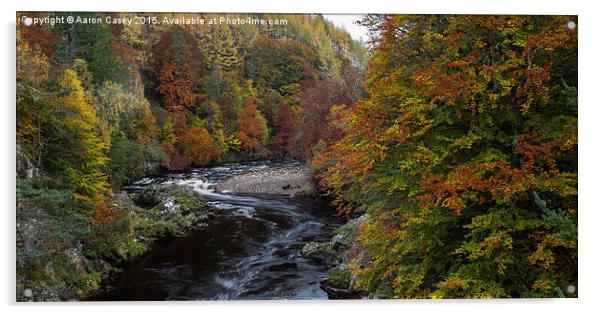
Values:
[(238, 229), (249, 248), (289, 181), (64, 259)]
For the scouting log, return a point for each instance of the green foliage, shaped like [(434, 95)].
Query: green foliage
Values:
[(91, 42), (51, 226), (64, 222), (339, 278), (87, 283), (557, 220), (214, 86), (115, 240), (125, 157), (224, 50)]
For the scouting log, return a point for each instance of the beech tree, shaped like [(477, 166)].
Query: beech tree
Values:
[(177, 66), (198, 145), (252, 130), (285, 130), (463, 158)]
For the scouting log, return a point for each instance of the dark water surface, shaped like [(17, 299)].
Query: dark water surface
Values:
[(250, 250)]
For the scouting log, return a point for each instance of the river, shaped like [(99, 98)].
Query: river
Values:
[(249, 250)]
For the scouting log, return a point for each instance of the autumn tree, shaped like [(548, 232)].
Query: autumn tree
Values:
[(252, 130), (198, 145), (317, 102), (463, 158), (177, 67), (225, 52), (76, 150), (32, 74), (126, 120), (212, 119), (280, 63), (285, 131)]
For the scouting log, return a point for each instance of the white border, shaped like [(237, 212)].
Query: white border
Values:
[(590, 208), (312, 6)]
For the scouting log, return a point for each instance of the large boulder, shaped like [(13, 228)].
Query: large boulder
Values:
[(170, 210), (322, 251), (339, 284)]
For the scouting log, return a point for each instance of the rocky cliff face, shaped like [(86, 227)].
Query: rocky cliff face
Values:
[(25, 167)]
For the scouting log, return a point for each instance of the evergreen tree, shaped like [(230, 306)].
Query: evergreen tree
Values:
[(224, 49), (91, 42)]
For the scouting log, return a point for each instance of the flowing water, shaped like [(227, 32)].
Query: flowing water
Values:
[(250, 250)]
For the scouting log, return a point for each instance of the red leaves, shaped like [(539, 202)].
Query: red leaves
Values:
[(479, 181), (252, 129), (286, 129), (533, 154), (316, 103), (492, 180), (177, 66), (175, 89), (103, 214), (39, 36), (439, 193), (178, 162)]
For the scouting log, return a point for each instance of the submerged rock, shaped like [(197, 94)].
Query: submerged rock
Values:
[(340, 281)]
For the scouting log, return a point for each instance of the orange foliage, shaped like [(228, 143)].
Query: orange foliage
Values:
[(286, 130), (198, 145), (252, 129), (177, 66)]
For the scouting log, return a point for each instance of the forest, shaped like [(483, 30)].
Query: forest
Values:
[(455, 137)]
